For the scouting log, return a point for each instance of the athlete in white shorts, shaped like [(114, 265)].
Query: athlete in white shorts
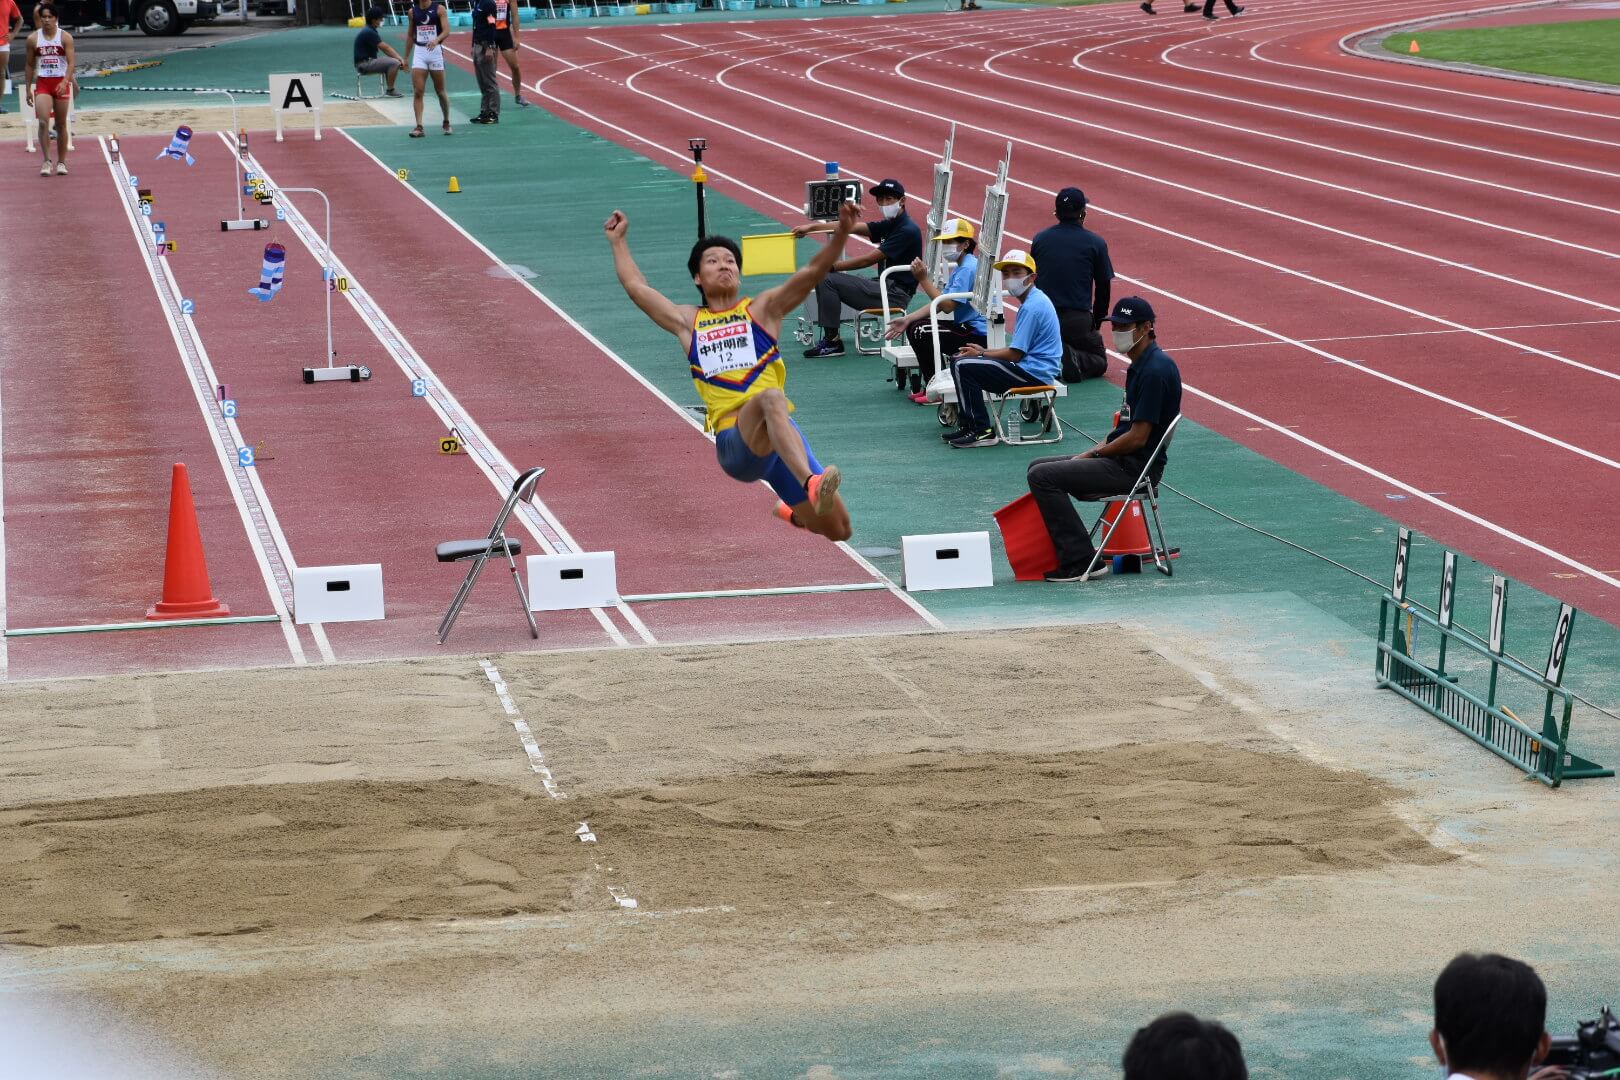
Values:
[(424, 52)]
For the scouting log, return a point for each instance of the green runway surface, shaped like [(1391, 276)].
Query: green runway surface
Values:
[(532, 190), (1568, 50)]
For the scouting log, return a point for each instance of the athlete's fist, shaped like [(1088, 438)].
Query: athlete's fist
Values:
[(616, 226)]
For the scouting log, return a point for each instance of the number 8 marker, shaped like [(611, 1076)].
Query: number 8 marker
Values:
[(418, 388)]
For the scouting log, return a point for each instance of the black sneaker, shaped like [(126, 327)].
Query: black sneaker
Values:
[(1212, 18), (1238, 11), (950, 436), (981, 437), (1148, 8), (480, 119), (1077, 572), (828, 347), (1188, 9)]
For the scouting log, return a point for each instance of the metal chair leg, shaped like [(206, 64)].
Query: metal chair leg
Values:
[(1162, 545), (523, 595), (465, 591)]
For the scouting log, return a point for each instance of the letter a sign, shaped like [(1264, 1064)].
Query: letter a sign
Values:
[(300, 92)]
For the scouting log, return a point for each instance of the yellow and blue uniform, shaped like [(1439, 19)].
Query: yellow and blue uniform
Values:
[(732, 360)]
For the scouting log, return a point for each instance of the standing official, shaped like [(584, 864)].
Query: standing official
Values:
[(486, 55), (1078, 276)]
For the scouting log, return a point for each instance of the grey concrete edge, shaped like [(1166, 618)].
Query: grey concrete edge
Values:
[(1362, 43)]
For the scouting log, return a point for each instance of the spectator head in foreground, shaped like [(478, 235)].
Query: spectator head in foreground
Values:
[(1490, 1018), (1179, 1046)]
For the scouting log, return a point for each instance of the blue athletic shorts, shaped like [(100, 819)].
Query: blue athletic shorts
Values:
[(741, 463)]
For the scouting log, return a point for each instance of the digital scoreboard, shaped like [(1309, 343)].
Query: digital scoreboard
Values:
[(822, 198)]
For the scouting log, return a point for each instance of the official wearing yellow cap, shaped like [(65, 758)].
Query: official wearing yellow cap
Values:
[(965, 325), (1033, 358)]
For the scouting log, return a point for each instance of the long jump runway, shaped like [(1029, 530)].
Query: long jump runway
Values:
[(352, 472), (1396, 280)]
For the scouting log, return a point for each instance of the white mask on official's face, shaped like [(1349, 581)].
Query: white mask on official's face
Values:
[(1017, 286), (1125, 340), (953, 252), (890, 211)]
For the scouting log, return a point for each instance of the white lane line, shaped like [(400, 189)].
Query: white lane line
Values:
[(538, 765), (615, 48), (683, 41), (1466, 515), (252, 504), (574, 324), (542, 524), (1405, 334)]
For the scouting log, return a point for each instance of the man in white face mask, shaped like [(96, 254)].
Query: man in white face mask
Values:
[(1152, 401), (1490, 1015), (898, 241)]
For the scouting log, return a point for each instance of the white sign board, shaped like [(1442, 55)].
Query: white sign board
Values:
[(300, 92)]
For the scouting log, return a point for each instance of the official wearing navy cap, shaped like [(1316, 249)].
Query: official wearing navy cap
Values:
[(1152, 401), (898, 241), (1077, 275)]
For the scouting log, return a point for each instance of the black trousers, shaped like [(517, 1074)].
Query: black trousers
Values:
[(861, 293), (1083, 354), (1209, 7), (1053, 480), (951, 339)]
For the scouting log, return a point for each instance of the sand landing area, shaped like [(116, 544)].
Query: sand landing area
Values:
[(162, 116), (279, 870)]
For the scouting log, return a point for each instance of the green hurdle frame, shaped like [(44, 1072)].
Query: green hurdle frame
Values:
[(1544, 754)]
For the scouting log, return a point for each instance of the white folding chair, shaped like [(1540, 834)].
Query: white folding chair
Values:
[(496, 543), (1146, 492)]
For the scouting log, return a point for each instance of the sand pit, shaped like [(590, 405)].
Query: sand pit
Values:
[(958, 830), (297, 872), (162, 119)]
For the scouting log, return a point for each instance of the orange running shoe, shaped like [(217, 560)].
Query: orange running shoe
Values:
[(822, 487)]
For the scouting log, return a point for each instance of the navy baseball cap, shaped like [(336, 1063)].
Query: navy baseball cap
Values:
[(888, 189), (1070, 200), (1130, 311)]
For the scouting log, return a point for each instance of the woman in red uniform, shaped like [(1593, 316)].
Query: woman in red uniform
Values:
[(51, 83)]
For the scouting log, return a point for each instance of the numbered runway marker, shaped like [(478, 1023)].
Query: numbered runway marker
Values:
[(281, 215), (228, 407), (403, 174), (146, 209), (188, 306), (171, 246), (418, 388), (252, 178), (244, 457), (343, 284)]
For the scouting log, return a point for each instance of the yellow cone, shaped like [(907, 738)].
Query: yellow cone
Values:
[(455, 187), (1414, 47)]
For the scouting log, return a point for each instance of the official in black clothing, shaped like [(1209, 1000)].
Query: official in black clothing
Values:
[(898, 241), (1152, 401), (486, 52), (1078, 276)]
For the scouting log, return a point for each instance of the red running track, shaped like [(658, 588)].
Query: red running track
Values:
[(352, 472), (1439, 223)]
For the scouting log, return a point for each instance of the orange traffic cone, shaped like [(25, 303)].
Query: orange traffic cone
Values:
[(186, 591), (1131, 538), (1414, 48)]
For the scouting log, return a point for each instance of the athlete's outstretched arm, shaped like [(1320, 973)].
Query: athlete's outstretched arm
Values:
[(659, 308), (774, 304)]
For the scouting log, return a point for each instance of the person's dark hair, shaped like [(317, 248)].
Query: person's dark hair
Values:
[(694, 260), (969, 244), (1491, 1012), (1179, 1046), (45, 9), (373, 14)]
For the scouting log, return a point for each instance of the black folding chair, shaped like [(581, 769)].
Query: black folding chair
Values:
[(480, 551), (1146, 492)]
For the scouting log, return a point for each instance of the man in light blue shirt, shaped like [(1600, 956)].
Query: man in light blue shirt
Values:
[(959, 324), (1034, 357)]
